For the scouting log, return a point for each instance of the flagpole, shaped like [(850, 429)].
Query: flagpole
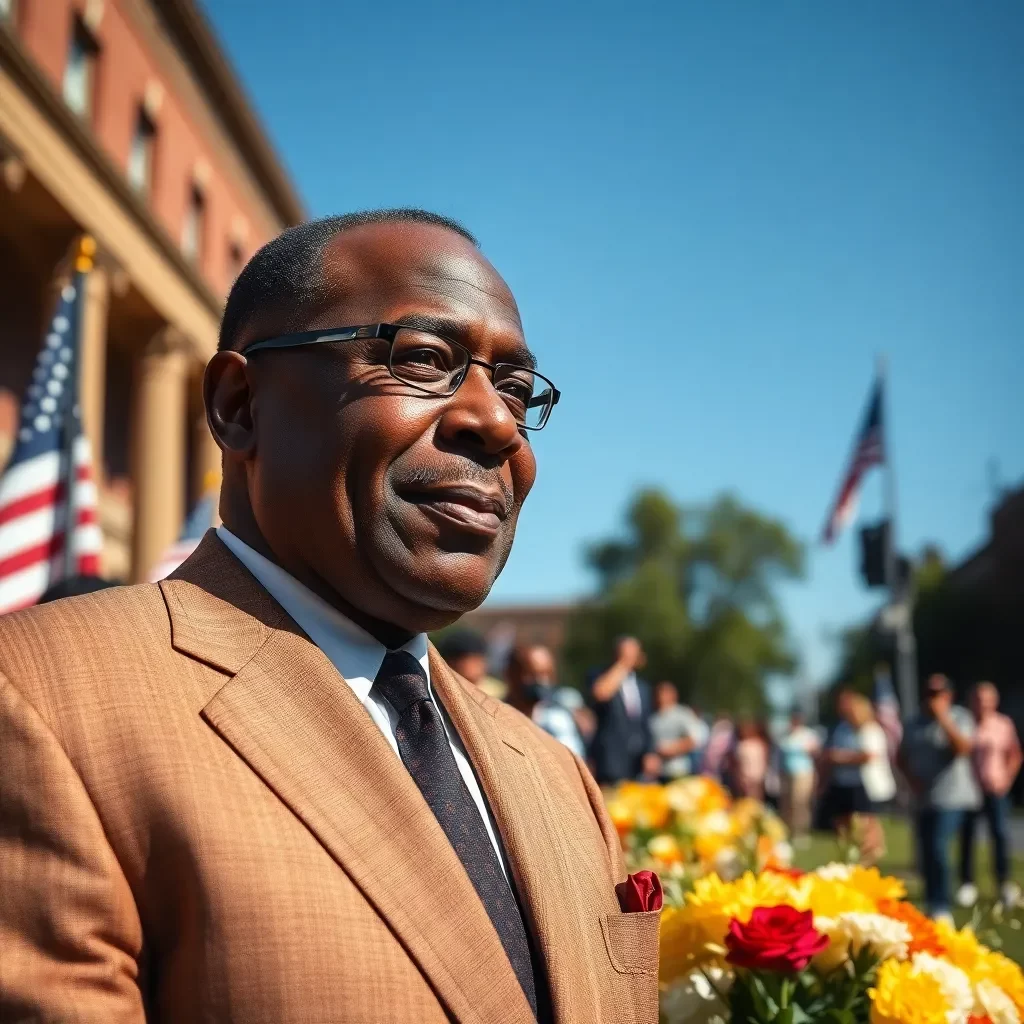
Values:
[(900, 597), (85, 249)]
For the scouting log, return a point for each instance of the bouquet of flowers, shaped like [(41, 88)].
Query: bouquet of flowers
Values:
[(839, 945), (691, 827)]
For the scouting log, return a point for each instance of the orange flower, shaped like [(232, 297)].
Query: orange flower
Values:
[(775, 868), (979, 1020), (924, 936)]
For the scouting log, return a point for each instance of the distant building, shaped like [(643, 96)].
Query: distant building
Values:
[(507, 625), (122, 119)]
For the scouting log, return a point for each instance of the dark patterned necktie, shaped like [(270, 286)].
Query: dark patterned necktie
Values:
[(425, 751)]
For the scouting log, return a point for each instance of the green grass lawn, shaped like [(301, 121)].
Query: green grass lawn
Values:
[(1007, 934)]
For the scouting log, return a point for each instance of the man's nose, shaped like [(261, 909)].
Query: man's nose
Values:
[(477, 416)]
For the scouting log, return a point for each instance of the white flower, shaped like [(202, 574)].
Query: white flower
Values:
[(991, 1001), (715, 823), (956, 986), (694, 999), (835, 872), (850, 933), (783, 852), (728, 864)]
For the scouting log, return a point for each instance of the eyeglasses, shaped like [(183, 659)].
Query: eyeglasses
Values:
[(437, 365)]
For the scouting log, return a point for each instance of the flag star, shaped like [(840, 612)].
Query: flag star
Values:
[(53, 341), (60, 323), (65, 355), (42, 423), (60, 371), (35, 391), (54, 386), (25, 434), (68, 293), (48, 404)]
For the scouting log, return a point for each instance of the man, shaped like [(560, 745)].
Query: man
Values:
[(622, 703), (676, 731), (531, 690), (798, 749), (253, 792), (997, 760), (935, 756), (466, 653)]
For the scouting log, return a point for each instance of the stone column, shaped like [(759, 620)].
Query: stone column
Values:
[(93, 370), (158, 447)]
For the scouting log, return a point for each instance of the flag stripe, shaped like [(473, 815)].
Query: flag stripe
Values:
[(54, 494)]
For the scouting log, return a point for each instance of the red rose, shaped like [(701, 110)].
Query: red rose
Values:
[(779, 939), (640, 892)]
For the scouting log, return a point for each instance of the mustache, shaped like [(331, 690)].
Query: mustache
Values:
[(467, 472)]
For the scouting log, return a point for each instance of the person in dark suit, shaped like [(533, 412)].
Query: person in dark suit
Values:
[(623, 705)]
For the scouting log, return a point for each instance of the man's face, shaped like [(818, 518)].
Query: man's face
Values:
[(938, 695), (540, 665), (405, 504), (666, 696)]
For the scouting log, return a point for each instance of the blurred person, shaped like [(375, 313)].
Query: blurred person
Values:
[(465, 651), (718, 747), (531, 690), (798, 749), (876, 775), (997, 760), (935, 757), (621, 748), (748, 761), (677, 732), (75, 586), (571, 698), (846, 802)]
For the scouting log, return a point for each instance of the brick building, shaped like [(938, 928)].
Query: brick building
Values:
[(123, 120)]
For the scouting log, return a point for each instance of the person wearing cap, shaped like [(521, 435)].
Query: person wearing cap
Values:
[(935, 756), (466, 653)]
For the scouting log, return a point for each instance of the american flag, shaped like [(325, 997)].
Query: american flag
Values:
[(887, 709), (199, 521), (34, 487), (868, 451)]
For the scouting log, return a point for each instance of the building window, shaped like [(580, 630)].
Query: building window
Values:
[(192, 230), (80, 71), (140, 157)]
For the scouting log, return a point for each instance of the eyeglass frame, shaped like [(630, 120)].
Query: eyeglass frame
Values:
[(389, 332)]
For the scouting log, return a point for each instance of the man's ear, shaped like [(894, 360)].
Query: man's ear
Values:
[(227, 393)]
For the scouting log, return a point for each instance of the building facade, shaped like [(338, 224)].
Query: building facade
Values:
[(121, 119)]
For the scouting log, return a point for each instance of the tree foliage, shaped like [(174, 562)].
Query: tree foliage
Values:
[(698, 586)]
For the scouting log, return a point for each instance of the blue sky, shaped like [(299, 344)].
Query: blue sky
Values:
[(713, 216)]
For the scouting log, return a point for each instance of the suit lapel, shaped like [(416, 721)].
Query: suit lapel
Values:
[(295, 722), (550, 875)]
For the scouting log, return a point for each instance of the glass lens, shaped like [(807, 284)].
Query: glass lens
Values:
[(527, 395), (428, 362)]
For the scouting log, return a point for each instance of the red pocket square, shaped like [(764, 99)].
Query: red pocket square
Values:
[(640, 892)]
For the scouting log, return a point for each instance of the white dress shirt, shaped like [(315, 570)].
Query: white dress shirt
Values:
[(358, 657), (631, 696)]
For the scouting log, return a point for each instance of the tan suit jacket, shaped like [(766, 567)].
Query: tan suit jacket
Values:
[(199, 822)]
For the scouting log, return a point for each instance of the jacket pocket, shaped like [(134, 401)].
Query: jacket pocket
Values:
[(632, 944)]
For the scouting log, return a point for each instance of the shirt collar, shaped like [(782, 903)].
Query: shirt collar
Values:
[(353, 652)]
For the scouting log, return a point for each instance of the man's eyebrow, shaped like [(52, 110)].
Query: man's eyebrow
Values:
[(448, 328)]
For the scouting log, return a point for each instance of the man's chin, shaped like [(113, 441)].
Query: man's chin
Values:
[(440, 589)]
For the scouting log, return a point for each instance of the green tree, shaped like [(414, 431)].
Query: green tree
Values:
[(698, 586)]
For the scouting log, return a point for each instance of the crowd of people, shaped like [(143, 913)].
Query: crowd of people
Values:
[(949, 766)]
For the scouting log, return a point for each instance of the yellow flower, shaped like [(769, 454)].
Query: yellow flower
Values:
[(905, 995), (648, 802), (1002, 971), (873, 884), (622, 815), (707, 845), (829, 897), (664, 848), (962, 947)]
